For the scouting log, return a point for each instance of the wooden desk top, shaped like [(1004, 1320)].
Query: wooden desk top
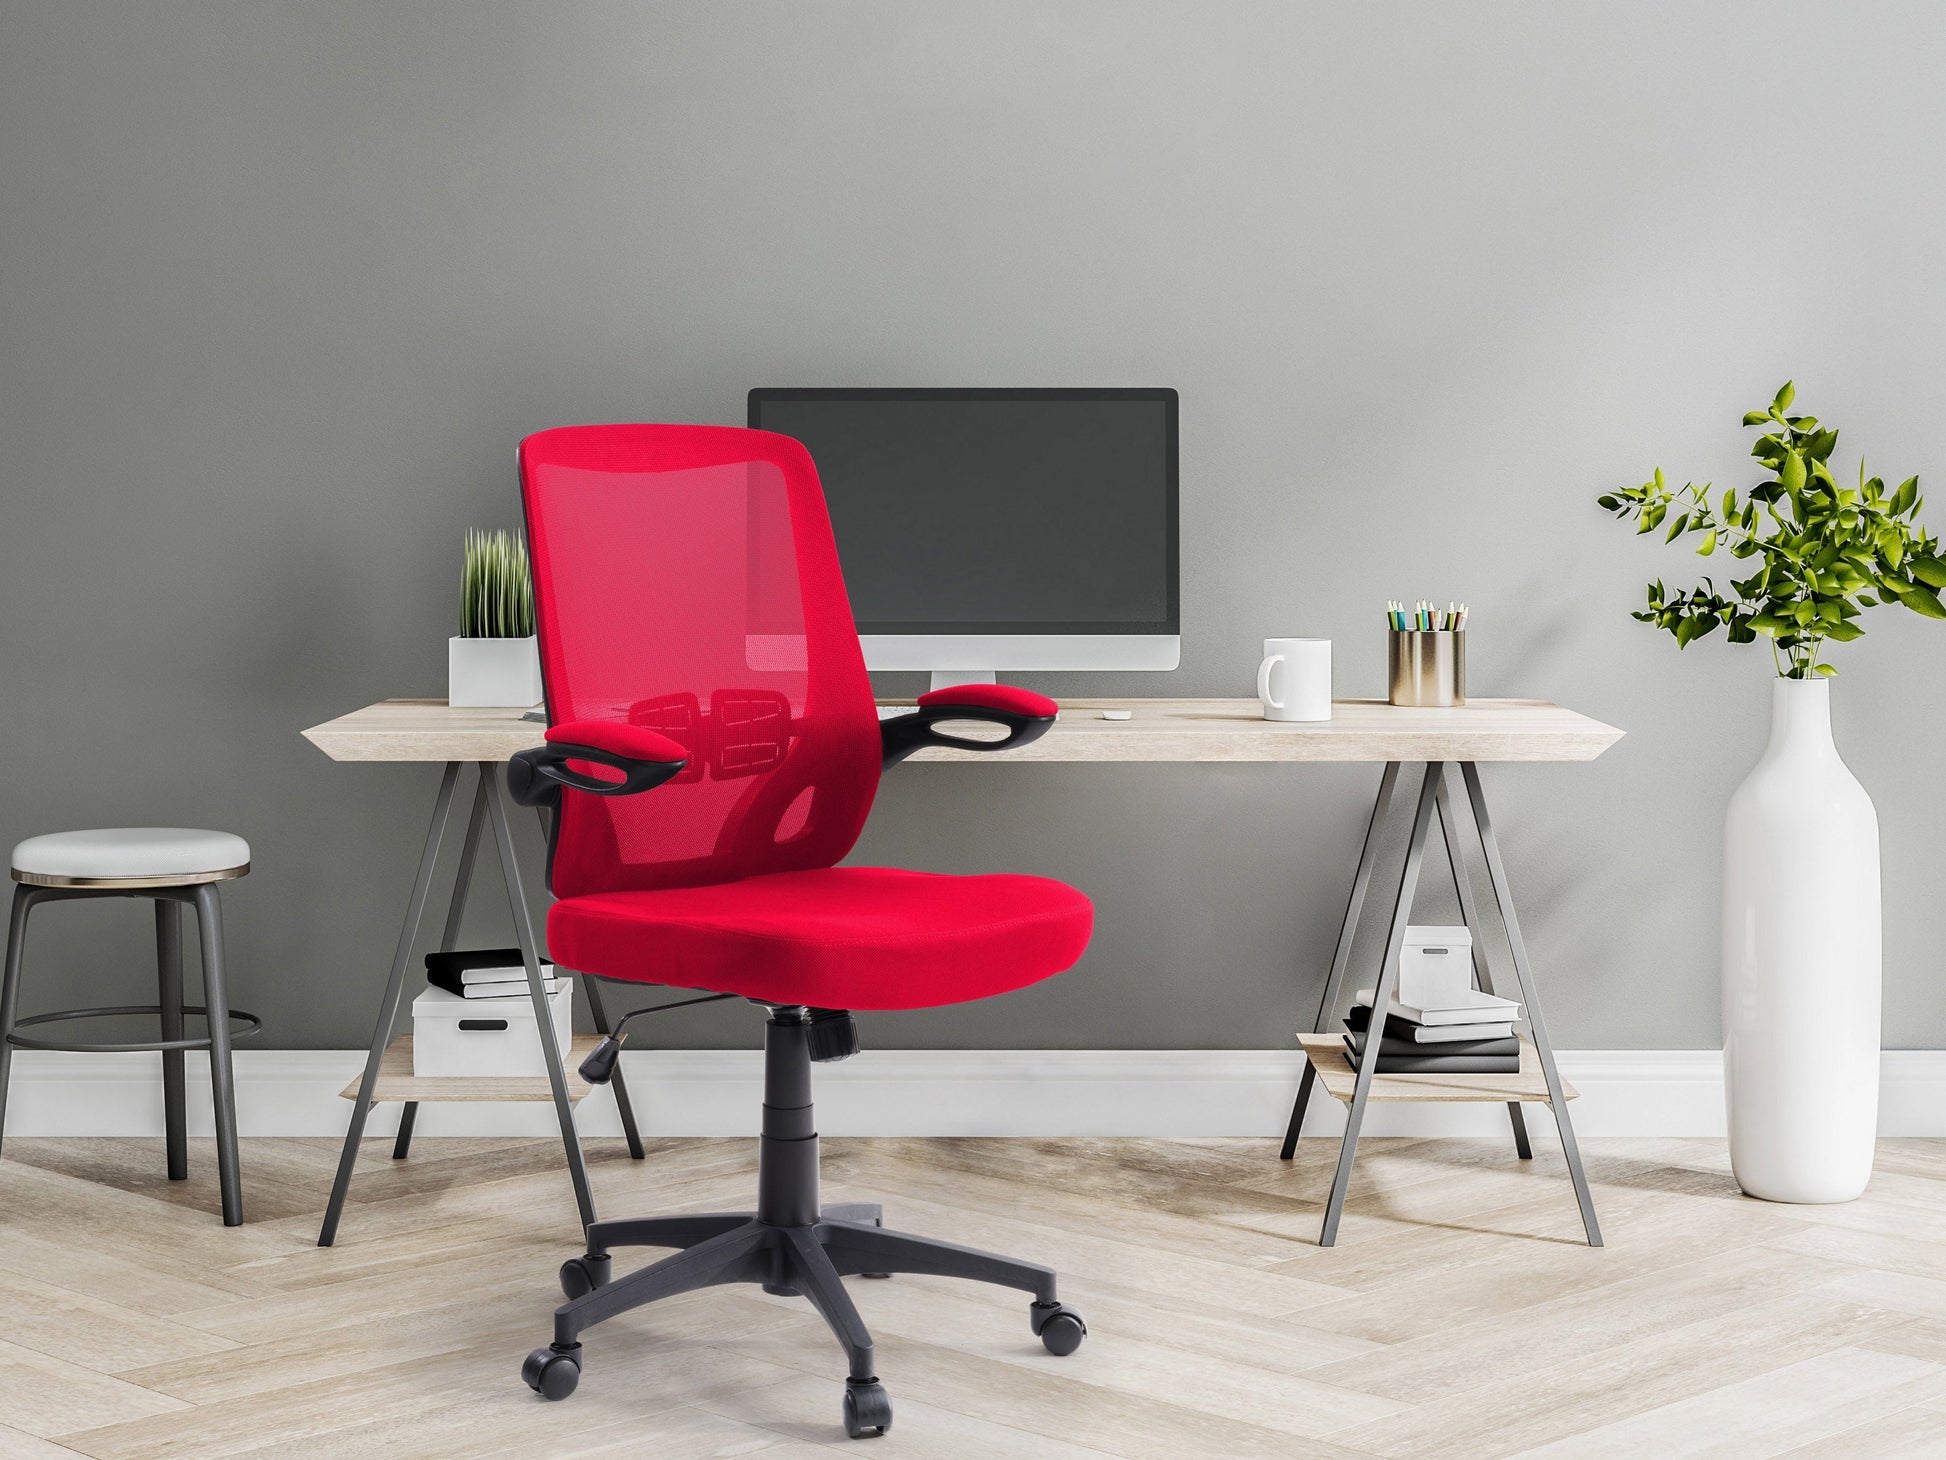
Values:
[(1161, 730)]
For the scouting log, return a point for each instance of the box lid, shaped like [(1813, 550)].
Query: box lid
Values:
[(1422, 937), (444, 1004)]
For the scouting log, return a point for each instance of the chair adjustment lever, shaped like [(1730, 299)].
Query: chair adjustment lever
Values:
[(599, 1067), (831, 1035)]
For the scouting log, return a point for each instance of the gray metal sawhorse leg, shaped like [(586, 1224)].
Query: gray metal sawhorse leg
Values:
[(491, 806), (1433, 797)]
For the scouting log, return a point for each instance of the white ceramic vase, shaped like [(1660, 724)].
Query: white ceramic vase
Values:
[(1801, 965)]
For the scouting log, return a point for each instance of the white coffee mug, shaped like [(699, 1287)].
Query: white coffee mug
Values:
[(1294, 681)]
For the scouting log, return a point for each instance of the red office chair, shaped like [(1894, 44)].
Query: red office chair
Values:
[(696, 641)]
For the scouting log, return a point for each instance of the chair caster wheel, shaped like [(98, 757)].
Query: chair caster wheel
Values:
[(553, 1372), (868, 1408), (582, 1275), (1060, 1328)]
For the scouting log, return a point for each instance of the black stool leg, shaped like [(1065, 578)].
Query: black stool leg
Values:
[(24, 899), (168, 972), (216, 997), (402, 1142)]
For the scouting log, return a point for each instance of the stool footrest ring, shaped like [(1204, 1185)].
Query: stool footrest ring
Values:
[(242, 1026)]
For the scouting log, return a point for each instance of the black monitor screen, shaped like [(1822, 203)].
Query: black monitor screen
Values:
[(1005, 511)]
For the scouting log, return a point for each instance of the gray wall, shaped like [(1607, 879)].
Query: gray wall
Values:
[(283, 283)]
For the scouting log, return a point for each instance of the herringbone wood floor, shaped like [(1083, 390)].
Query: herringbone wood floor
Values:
[(1459, 1316)]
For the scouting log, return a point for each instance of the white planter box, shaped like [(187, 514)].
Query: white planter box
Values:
[(441, 1049), (483, 673)]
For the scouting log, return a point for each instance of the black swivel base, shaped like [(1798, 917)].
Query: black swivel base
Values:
[(789, 1245)]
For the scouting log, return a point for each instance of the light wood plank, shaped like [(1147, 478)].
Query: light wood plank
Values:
[(470, 1391), (1897, 1292), (19, 1445), (1582, 1323), (1105, 1256), (1513, 1408), (107, 1276), (1918, 1433), (1762, 1416), (795, 1411), (1160, 730), (42, 1396), (91, 1332), (690, 1433), (397, 1082), (1181, 1214), (1264, 1391), (1327, 1055), (1041, 1400)]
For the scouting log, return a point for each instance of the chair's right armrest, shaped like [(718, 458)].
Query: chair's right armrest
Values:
[(1025, 714), (643, 758)]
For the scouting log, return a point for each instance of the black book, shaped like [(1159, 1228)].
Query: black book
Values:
[(1432, 1060), (1398, 1039), (485, 973), (467, 958)]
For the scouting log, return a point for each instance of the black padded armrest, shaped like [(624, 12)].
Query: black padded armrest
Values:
[(644, 758), (1026, 715)]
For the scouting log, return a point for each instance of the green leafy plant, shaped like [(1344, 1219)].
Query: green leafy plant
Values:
[(496, 595), (1819, 553)]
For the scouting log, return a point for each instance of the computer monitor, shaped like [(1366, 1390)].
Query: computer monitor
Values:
[(983, 531)]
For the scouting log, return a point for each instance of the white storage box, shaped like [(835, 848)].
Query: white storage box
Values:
[(452, 1036), (1435, 967)]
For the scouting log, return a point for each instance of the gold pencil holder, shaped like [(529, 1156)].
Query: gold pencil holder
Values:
[(1426, 666)]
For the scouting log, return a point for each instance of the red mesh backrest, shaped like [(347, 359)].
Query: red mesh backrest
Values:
[(685, 579)]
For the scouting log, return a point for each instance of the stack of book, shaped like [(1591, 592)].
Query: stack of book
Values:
[(1467, 1033), (486, 973)]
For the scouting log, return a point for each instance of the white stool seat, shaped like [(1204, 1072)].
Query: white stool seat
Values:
[(132, 856)]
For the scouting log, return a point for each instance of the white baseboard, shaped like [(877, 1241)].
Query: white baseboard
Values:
[(1060, 1092)]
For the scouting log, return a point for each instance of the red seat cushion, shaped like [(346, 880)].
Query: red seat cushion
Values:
[(833, 938)]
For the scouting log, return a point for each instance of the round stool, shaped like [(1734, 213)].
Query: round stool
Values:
[(171, 866)]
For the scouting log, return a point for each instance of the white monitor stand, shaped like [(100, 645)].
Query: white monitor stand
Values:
[(953, 678), (1033, 653)]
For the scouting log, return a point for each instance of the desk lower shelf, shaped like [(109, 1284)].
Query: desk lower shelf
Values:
[(397, 1082), (1327, 1055)]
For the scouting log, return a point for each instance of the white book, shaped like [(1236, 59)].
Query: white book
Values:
[(1473, 1008), (1453, 1033), (1443, 1033), (513, 988), (502, 975)]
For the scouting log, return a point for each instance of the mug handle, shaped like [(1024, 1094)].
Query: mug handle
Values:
[(1263, 681)]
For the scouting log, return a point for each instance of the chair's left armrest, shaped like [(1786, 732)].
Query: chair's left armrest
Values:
[(1025, 714), (644, 758)]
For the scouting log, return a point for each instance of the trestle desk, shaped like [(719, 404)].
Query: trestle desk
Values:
[(1447, 746)]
